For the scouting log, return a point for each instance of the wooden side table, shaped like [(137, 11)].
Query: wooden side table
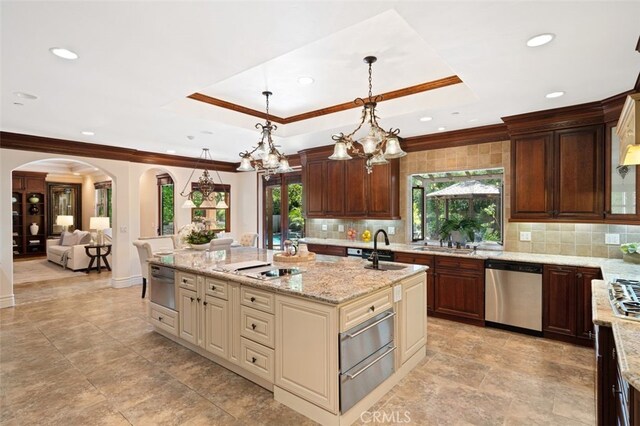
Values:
[(98, 255)]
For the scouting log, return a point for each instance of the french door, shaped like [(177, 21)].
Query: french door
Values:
[(282, 210)]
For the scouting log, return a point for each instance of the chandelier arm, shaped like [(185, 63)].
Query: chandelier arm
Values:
[(182, 194)]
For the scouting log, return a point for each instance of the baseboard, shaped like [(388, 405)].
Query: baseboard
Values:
[(126, 282), (7, 301)]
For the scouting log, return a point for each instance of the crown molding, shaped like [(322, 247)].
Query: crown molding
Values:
[(473, 136)]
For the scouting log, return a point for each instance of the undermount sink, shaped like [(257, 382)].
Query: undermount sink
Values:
[(386, 267), (444, 249)]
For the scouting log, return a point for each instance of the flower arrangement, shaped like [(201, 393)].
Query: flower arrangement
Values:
[(630, 248), (196, 233)]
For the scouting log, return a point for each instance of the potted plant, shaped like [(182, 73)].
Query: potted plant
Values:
[(631, 252), (197, 236), (464, 226)]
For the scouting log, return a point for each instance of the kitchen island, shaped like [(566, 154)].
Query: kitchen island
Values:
[(329, 339)]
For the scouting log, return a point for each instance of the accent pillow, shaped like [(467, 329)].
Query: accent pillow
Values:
[(69, 239), (84, 237)]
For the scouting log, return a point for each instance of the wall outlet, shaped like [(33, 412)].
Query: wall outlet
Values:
[(340, 228), (525, 236), (123, 229), (324, 227), (391, 230), (613, 239)]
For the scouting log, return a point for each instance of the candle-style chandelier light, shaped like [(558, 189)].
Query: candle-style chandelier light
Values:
[(206, 186), (379, 145), (265, 156)]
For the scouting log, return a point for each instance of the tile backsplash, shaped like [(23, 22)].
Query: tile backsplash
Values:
[(314, 228)]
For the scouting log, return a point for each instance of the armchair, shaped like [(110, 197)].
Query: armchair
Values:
[(146, 249)]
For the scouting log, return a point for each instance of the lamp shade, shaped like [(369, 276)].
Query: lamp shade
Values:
[(99, 223), (245, 165), (340, 152), (64, 220), (222, 204), (393, 149), (188, 204)]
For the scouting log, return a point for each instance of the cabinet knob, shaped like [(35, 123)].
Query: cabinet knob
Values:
[(579, 275), (184, 280), (253, 359), (372, 308), (614, 391), (253, 326), (253, 299), (192, 299), (205, 303), (213, 287), (160, 318), (198, 299)]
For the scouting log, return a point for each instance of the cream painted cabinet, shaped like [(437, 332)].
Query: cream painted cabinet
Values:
[(188, 309), (307, 350), (234, 322), (216, 326), (412, 316)]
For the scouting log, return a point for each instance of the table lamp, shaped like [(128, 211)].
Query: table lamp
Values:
[(64, 221), (99, 224)]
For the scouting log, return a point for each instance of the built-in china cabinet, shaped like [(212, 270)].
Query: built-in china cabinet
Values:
[(28, 209)]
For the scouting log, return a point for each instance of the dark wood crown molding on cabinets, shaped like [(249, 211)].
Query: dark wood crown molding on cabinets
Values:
[(24, 142), (476, 135)]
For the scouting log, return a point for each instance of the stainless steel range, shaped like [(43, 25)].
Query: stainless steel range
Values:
[(625, 298)]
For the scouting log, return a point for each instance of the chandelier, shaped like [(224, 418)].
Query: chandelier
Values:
[(265, 156), (206, 187), (378, 146)]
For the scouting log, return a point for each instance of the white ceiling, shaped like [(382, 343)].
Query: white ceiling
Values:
[(139, 60), (61, 166)]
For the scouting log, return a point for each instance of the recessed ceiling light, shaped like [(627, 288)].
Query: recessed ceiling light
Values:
[(171, 151), (473, 120), (18, 104), (24, 95), (63, 53), (554, 95), (87, 133), (440, 129), (455, 113), (540, 40), (76, 174), (206, 132), (423, 119), (305, 80)]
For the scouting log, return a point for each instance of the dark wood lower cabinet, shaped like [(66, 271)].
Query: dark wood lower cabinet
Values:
[(459, 289), (327, 249), (566, 300)]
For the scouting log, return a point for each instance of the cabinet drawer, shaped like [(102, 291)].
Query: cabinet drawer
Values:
[(257, 299), (459, 263), (415, 259), (187, 281), (327, 250), (257, 325), (216, 288), (163, 318), (365, 308), (257, 359)]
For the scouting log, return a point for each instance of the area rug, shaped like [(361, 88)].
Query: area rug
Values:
[(37, 270)]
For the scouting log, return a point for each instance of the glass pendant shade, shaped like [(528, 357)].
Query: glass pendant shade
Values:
[(245, 165), (393, 149), (377, 160), (284, 166), (340, 152), (263, 150), (188, 204), (369, 143), (272, 161)]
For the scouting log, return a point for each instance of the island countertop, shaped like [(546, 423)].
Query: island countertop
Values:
[(328, 279)]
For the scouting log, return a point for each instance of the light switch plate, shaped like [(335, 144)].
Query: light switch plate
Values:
[(525, 236), (123, 229), (613, 239), (391, 230), (340, 228), (397, 293), (324, 227)]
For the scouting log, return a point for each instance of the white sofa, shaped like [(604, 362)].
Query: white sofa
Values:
[(76, 257)]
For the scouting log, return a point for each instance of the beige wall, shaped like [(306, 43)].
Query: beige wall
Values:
[(552, 238), (149, 203)]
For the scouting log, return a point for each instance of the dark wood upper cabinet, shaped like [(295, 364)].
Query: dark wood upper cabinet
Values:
[(579, 179), (344, 189), (531, 162)]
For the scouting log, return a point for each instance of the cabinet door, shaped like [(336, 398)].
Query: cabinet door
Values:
[(459, 294), (532, 179), (579, 180), (234, 322), (431, 290), (559, 300), (334, 188), (314, 188), (383, 190), (307, 351), (355, 188), (585, 316), (412, 317), (188, 308), (216, 326)]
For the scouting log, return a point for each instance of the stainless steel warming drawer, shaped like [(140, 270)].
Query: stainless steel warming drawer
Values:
[(366, 358)]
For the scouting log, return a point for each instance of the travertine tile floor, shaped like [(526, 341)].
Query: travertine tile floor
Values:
[(92, 359)]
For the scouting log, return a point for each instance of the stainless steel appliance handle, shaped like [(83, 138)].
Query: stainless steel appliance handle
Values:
[(366, 367), (389, 315)]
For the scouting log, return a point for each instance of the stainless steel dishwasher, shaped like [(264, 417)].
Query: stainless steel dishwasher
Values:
[(513, 296), (162, 286)]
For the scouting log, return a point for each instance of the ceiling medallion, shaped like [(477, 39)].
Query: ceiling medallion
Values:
[(378, 146), (206, 186), (265, 156)]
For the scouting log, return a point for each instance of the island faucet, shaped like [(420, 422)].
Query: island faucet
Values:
[(374, 255)]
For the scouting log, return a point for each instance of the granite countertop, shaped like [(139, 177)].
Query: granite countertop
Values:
[(328, 279)]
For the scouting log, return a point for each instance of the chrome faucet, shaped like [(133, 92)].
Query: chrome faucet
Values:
[(374, 255)]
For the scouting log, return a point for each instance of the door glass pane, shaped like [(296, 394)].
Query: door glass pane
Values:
[(623, 181), (295, 228), (166, 209), (273, 234)]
